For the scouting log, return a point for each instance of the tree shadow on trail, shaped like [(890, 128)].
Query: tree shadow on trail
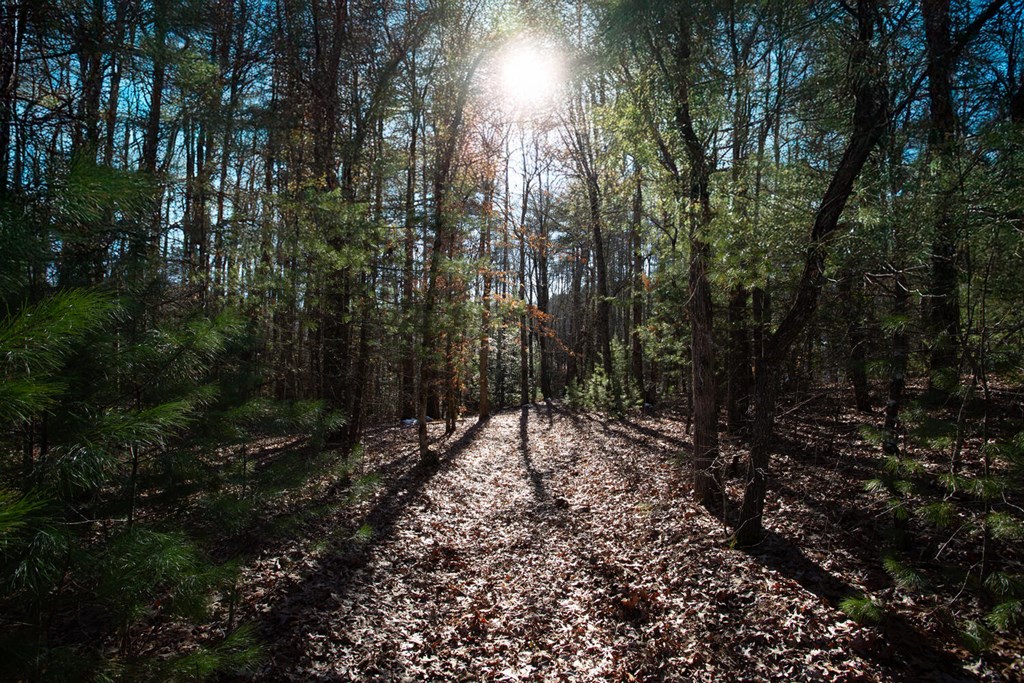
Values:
[(623, 436), (903, 649), (623, 427), (325, 582), (408, 487), (656, 434), (540, 491)]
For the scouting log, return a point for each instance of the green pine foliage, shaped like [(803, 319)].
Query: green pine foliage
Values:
[(35, 341), (944, 515), (99, 405), (904, 575), (142, 568), (238, 653), (15, 509), (861, 609), (594, 393), (975, 635), (609, 395)]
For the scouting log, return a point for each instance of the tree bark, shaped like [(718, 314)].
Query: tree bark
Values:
[(636, 354), (851, 294), (543, 324), (897, 369), (86, 135), (524, 314), (151, 139), (503, 281), (407, 385), (485, 303), (573, 371), (110, 118), (12, 22), (706, 467), (151, 136), (740, 375), (870, 117), (944, 307)]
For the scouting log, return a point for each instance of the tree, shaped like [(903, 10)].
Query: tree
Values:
[(450, 136), (870, 117), (665, 38)]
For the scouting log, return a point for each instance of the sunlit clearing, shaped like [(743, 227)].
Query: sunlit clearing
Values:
[(531, 75)]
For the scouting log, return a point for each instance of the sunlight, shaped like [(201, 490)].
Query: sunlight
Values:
[(531, 75)]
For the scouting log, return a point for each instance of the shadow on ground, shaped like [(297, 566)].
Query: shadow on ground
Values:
[(352, 553), (905, 650)]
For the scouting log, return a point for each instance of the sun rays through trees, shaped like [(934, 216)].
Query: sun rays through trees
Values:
[(282, 276)]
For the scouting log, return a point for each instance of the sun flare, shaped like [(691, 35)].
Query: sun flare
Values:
[(531, 75)]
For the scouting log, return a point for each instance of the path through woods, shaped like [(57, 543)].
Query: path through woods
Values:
[(552, 546)]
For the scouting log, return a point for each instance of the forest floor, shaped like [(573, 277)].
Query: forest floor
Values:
[(551, 545)]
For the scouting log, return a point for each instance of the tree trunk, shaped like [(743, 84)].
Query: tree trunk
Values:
[(573, 372), (110, 119), (329, 26), (151, 137), (361, 371), (851, 294), (706, 475), (12, 22), (543, 323), (524, 315), (426, 334), (894, 400), (407, 390), (504, 285), (603, 319), (485, 303), (451, 400), (1017, 105), (944, 307), (740, 376), (86, 134), (766, 386), (897, 370), (636, 354), (706, 468), (870, 117)]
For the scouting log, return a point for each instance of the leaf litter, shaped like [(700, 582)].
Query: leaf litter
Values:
[(559, 546)]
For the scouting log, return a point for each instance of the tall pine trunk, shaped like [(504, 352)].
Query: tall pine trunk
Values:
[(603, 316), (740, 376), (851, 302), (543, 324), (524, 314), (636, 352), (870, 117), (407, 385), (943, 318), (12, 22), (706, 467), (897, 369), (485, 302)]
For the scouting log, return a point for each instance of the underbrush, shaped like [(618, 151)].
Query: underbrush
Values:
[(137, 465)]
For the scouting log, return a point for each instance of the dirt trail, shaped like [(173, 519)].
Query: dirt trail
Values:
[(550, 547)]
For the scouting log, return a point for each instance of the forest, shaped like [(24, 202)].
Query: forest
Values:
[(506, 340)]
